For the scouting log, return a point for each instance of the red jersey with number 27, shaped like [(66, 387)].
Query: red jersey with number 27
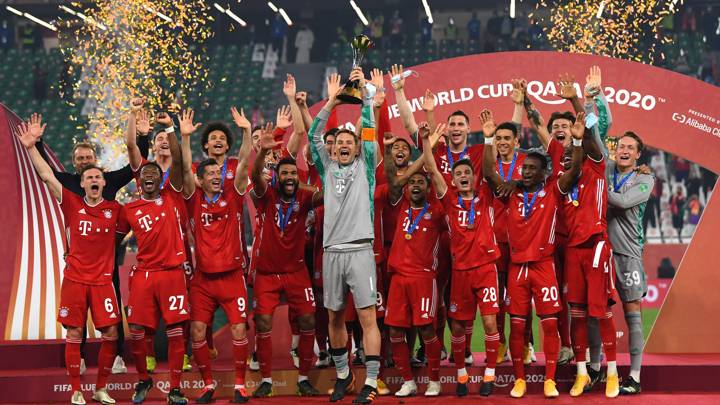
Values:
[(91, 232), (157, 228)]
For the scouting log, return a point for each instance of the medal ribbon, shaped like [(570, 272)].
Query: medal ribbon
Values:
[(574, 194), (450, 156), (529, 206), (512, 167), (284, 216), (616, 186), (166, 174), (471, 213), (414, 223)]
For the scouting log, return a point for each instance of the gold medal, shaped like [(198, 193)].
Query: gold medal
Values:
[(576, 203), (408, 236), (471, 226)]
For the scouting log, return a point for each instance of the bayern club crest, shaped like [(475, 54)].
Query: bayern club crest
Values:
[(541, 193), (427, 216), (223, 203), (107, 213), (64, 312), (230, 175), (453, 307), (159, 201)]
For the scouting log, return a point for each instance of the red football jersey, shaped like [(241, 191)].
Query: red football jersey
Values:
[(158, 229), (310, 177), (556, 150), (532, 236), (587, 218), (379, 206), (445, 163), (217, 228), (471, 247), (417, 256), (510, 171), (230, 170), (91, 231), (284, 252)]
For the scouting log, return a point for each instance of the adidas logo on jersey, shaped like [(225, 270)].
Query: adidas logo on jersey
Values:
[(183, 312), (82, 211), (113, 316), (556, 305), (424, 316), (139, 212)]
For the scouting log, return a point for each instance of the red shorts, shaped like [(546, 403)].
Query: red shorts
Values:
[(155, 293), (472, 289), (590, 276), (380, 304), (76, 298), (503, 262), (296, 287), (208, 291), (533, 281), (412, 301)]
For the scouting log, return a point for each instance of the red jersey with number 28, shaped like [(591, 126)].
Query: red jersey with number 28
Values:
[(587, 218), (157, 228), (281, 251), (470, 245), (217, 229), (91, 232), (531, 227)]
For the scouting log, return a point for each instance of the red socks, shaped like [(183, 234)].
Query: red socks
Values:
[(492, 342), (263, 341), (176, 350), (72, 361), (201, 355), (138, 347), (106, 357), (579, 332), (457, 345), (551, 346), (468, 336), (150, 345), (517, 345), (401, 356), (432, 352), (564, 325), (608, 336), (240, 354), (305, 350)]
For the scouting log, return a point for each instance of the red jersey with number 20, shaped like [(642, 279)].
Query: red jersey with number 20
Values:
[(474, 246), (217, 229), (157, 228), (91, 232), (587, 218), (531, 230)]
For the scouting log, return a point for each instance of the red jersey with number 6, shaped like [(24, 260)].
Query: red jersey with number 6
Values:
[(91, 231), (531, 228), (157, 228)]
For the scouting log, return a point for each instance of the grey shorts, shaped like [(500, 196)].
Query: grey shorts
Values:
[(630, 278), (349, 269)]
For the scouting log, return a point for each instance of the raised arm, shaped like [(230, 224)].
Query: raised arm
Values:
[(134, 156), (570, 176), (437, 178), (377, 103), (299, 130), (301, 100), (489, 152), (517, 95), (241, 180), (594, 95), (428, 106), (566, 86), (536, 121), (266, 144), (187, 128), (176, 169), (28, 139), (406, 114), (315, 135)]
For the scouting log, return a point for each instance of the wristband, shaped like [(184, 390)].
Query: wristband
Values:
[(488, 140), (169, 130), (577, 142)]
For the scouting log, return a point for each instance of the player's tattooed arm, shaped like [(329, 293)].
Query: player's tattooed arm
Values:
[(266, 143), (570, 176), (241, 181), (28, 133), (437, 179), (536, 121)]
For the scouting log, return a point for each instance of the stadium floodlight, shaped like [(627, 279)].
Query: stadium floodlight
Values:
[(14, 10), (31, 18), (285, 17), (159, 14), (272, 7), (84, 17), (512, 8), (235, 17), (359, 12), (428, 13), (219, 7)]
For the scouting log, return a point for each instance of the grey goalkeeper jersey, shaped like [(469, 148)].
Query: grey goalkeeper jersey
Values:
[(626, 208), (348, 190)]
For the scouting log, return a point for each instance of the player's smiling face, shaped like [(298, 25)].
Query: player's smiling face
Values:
[(505, 141), (255, 136), (627, 153), (150, 178), (463, 178), (566, 161), (532, 172), (458, 129), (83, 157), (401, 153), (217, 144), (418, 187), (93, 182), (561, 130), (330, 144), (345, 148), (211, 181), (287, 179), (161, 145)]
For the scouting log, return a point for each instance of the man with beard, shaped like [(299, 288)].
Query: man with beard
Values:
[(530, 220), (83, 154), (216, 212), (157, 284), (280, 263), (92, 225)]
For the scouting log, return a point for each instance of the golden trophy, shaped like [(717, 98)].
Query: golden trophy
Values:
[(352, 93)]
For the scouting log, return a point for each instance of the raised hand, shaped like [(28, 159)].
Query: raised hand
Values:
[(517, 95), (267, 141), (578, 128), (35, 125), (333, 85), (566, 86), (379, 97), (389, 138), (376, 78), (163, 118), (593, 81), (137, 103), (25, 135), (301, 98), (143, 126), (397, 70), (289, 87), (438, 134), (357, 74), (643, 169), (186, 122), (428, 104), (239, 118), (284, 118), (424, 130), (487, 123)]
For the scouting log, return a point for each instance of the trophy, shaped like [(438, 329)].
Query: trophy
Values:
[(352, 93)]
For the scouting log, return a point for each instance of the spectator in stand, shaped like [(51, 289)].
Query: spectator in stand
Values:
[(493, 25), (506, 26), (426, 29), (279, 30), (473, 28), (681, 168), (40, 84), (694, 181), (7, 35), (376, 30), (689, 20), (451, 33), (677, 208), (303, 43), (652, 209), (695, 209), (396, 25), (27, 36)]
